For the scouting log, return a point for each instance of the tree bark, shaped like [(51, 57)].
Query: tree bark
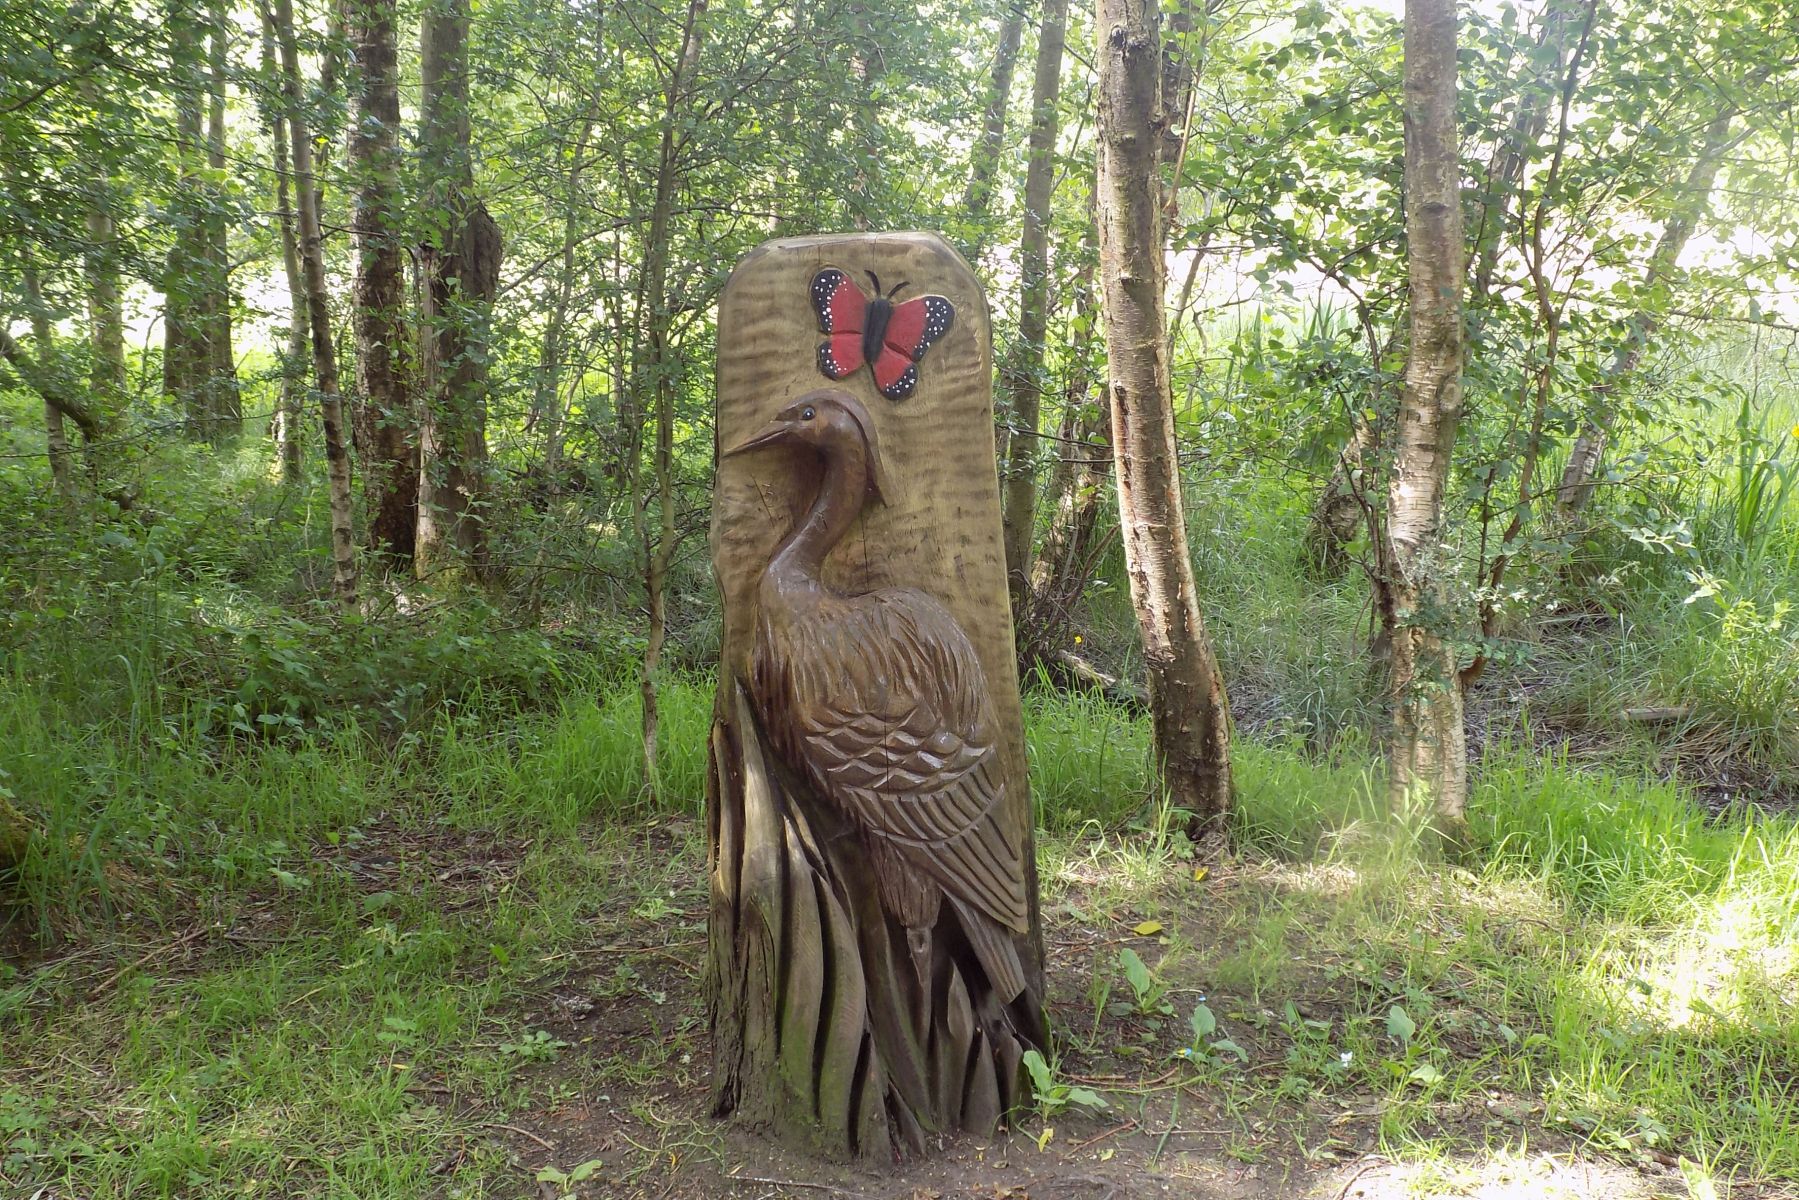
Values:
[(224, 400), (546, 403), (459, 269), (324, 353), (183, 348), (656, 374), (1023, 381), (1582, 470), (984, 162), (1426, 753), (105, 315), (62, 473), (383, 412), (287, 423), (1069, 553), (1190, 717)]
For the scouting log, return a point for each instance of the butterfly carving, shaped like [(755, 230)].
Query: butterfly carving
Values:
[(889, 335)]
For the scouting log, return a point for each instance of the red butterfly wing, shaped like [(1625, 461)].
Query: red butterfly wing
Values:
[(842, 310), (911, 330)]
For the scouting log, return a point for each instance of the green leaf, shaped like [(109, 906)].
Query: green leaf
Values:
[(1086, 1098), (1400, 1027), (1041, 1082), (1227, 1046), (1203, 1023), (1135, 972)]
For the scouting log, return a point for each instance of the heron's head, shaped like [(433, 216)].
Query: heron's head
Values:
[(832, 423)]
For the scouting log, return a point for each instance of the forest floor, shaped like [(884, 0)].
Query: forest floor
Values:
[(409, 1008)]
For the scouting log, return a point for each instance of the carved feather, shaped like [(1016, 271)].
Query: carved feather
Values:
[(879, 699)]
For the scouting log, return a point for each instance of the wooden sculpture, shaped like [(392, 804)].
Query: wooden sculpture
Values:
[(875, 962)]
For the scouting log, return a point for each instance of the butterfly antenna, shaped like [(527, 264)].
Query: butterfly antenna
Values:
[(876, 280), (898, 287)]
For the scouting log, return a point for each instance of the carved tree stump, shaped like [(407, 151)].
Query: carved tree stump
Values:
[(875, 966)]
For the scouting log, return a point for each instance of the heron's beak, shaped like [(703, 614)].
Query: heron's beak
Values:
[(775, 431)]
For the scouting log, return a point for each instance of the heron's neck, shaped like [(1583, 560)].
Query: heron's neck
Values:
[(841, 494)]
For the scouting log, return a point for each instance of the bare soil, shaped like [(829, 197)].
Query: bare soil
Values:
[(631, 1093)]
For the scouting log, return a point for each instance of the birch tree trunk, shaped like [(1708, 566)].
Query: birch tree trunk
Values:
[(1023, 377), (459, 269), (383, 411), (1426, 753), (1189, 713), (656, 373), (1582, 471), (1340, 509), (324, 354)]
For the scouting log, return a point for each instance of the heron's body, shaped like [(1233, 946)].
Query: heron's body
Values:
[(878, 701)]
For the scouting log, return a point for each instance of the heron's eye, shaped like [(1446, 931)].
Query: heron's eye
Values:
[(806, 414)]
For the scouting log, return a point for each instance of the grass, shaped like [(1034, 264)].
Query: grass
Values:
[(345, 948)]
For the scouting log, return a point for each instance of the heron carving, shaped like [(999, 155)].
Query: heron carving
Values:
[(878, 702)]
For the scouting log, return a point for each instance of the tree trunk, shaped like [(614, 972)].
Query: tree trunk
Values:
[(1023, 381), (656, 374), (224, 400), (383, 411), (1189, 713), (1582, 471), (183, 349), (459, 269), (1505, 170), (1340, 509), (62, 472), (324, 353), (105, 315), (546, 403), (288, 420), (984, 162), (1426, 754), (1069, 554)]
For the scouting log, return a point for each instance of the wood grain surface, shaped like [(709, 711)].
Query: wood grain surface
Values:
[(939, 529), (821, 1035)]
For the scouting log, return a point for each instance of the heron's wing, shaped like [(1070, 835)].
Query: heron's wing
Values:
[(900, 736)]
